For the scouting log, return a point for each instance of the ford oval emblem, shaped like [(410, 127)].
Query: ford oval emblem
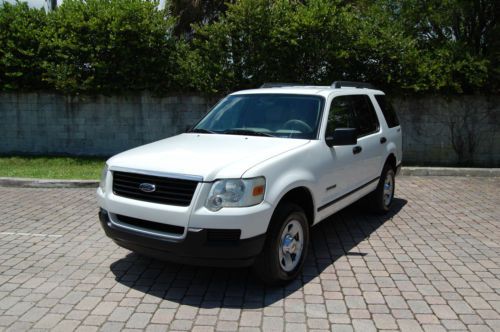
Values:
[(147, 187)]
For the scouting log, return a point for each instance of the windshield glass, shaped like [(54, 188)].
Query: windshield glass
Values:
[(278, 115)]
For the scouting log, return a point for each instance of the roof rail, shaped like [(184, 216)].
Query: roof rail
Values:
[(280, 85), (359, 85)]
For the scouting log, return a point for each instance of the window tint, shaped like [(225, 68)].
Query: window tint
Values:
[(352, 112), (365, 115), (279, 115), (389, 113), (340, 115)]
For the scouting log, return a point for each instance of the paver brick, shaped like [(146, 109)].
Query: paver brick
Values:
[(296, 327), (121, 314), (342, 328), (443, 311), (162, 316), (429, 265), (384, 321), (409, 325), (48, 321), (363, 325), (104, 308), (138, 320), (336, 306), (66, 326), (419, 307), (227, 326), (251, 318), (34, 314)]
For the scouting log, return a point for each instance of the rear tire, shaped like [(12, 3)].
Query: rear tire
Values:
[(286, 246), (381, 199)]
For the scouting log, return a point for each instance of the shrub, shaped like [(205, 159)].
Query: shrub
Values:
[(319, 41), (20, 34), (117, 46), (109, 46)]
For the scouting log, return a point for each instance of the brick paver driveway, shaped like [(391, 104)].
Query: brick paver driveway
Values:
[(432, 264)]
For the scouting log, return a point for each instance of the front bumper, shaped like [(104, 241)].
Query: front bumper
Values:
[(196, 248)]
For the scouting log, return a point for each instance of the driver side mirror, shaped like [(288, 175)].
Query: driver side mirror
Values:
[(342, 136)]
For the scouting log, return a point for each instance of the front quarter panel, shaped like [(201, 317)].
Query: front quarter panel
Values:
[(301, 167)]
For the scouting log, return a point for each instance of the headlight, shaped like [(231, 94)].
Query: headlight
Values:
[(104, 174), (236, 193)]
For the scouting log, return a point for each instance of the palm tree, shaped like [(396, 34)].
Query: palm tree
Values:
[(191, 12), (51, 4)]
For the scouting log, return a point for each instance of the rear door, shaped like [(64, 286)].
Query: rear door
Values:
[(370, 143)]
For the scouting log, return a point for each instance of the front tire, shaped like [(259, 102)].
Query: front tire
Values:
[(286, 246)]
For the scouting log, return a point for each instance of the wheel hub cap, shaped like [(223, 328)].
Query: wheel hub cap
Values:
[(291, 245), (388, 189)]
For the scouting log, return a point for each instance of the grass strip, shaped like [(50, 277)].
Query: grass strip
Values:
[(78, 168)]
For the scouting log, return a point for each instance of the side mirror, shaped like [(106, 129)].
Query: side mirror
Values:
[(342, 136), (187, 129)]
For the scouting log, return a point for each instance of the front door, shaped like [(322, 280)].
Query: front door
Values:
[(351, 167)]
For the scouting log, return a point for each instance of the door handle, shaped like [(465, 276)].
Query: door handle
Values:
[(356, 149), (383, 140)]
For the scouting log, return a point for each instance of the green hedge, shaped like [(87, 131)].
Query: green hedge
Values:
[(117, 46), (92, 46), (21, 30)]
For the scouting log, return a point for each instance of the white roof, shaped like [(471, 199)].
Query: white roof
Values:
[(324, 91)]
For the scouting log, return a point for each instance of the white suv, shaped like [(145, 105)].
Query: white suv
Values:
[(246, 183)]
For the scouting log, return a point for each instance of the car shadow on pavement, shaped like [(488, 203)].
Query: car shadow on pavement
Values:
[(206, 287)]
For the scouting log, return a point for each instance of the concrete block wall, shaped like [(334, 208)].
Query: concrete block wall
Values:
[(460, 130), (40, 123), (436, 131)]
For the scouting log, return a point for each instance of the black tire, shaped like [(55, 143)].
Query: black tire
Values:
[(379, 201), (267, 265)]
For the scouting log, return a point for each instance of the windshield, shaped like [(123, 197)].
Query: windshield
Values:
[(278, 115)]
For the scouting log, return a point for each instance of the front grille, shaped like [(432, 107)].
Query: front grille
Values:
[(168, 190), (154, 226)]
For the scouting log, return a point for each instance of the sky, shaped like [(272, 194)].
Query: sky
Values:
[(32, 3), (42, 3)]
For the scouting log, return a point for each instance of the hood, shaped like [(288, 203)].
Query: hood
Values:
[(210, 156)]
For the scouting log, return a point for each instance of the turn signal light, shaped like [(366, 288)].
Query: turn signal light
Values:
[(257, 191)]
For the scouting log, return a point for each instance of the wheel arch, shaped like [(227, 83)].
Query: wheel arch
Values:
[(391, 160), (303, 197)]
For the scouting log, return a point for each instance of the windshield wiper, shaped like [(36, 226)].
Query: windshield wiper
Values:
[(246, 132), (201, 130)]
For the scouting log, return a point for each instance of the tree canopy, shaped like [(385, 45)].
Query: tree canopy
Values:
[(117, 46)]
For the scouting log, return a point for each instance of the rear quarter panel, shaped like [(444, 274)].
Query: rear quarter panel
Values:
[(394, 136)]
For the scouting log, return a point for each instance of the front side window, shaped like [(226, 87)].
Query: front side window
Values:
[(278, 115), (340, 115), (354, 111)]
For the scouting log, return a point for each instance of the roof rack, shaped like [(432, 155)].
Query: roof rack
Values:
[(359, 85), (335, 85), (280, 85)]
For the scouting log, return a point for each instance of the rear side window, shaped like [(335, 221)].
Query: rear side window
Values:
[(365, 115), (355, 111), (389, 113)]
